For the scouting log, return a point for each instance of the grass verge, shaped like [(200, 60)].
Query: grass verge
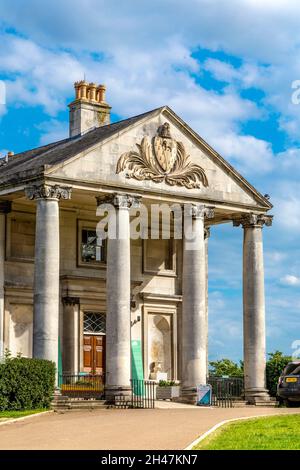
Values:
[(19, 414), (271, 433)]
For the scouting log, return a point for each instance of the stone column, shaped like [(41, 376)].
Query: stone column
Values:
[(254, 307), (194, 295), (206, 237), (70, 349), (118, 286), (46, 269), (4, 209)]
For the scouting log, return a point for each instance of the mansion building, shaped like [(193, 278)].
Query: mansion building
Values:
[(61, 285)]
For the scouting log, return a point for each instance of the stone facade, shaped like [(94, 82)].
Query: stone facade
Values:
[(55, 279)]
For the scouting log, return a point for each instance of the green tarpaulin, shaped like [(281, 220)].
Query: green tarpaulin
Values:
[(59, 363), (137, 369)]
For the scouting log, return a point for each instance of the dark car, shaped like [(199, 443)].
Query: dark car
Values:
[(288, 388)]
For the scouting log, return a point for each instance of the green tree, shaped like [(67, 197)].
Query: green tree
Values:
[(226, 367), (275, 365)]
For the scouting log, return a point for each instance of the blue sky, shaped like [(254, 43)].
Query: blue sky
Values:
[(226, 67)]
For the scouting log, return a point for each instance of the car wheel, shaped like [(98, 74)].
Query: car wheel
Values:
[(279, 400)]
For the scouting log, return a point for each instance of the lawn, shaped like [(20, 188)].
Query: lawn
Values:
[(19, 414), (276, 432)]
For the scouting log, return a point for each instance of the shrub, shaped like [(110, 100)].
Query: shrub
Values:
[(167, 383), (275, 365), (26, 383)]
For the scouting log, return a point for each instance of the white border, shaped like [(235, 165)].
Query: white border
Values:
[(218, 425)]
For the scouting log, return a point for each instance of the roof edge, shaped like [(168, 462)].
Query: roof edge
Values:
[(219, 157)]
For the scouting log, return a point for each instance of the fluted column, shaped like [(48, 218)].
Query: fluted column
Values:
[(4, 209), (118, 348), (194, 300), (254, 307), (46, 269)]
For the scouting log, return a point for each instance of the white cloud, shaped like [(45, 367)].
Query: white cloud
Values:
[(2, 93), (3, 110), (137, 39), (42, 77), (289, 162), (247, 75), (3, 152), (286, 201), (52, 131), (137, 82), (290, 280), (275, 257), (223, 71), (247, 153), (238, 26)]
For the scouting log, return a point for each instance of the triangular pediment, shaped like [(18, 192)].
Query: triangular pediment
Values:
[(159, 153)]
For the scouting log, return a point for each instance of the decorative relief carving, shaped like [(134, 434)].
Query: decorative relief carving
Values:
[(46, 191), (164, 159), (120, 201), (254, 220)]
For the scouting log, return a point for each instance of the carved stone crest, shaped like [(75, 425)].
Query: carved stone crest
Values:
[(163, 159), (165, 148)]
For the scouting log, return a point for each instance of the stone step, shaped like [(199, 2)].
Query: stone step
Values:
[(240, 404), (271, 404), (77, 404)]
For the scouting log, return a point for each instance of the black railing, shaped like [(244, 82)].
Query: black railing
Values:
[(81, 386), (233, 386), (142, 395), (225, 390), (223, 401)]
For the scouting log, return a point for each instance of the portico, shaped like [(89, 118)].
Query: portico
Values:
[(60, 282)]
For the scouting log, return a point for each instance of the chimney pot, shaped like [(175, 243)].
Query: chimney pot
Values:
[(92, 89), (89, 109), (101, 93)]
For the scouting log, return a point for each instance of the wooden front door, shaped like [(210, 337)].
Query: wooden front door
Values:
[(94, 354)]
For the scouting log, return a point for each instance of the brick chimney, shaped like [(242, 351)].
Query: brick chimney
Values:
[(89, 109)]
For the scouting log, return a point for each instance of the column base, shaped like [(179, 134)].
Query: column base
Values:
[(57, 396), (188, 395), (116, 391), (255, 396)]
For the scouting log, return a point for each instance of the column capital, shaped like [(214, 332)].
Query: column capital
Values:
[(199, 211), (47, 191), (120, 201), (67, 300), (253, 220), (5, 207)]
